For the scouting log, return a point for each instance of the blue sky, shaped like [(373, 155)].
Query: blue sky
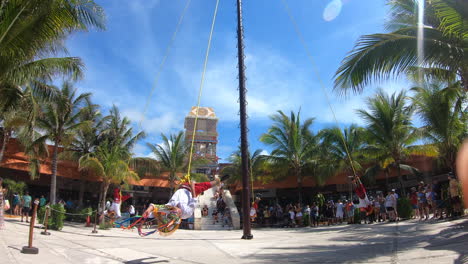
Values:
[(121, 62)]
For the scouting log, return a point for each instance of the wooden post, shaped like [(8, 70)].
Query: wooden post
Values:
[(95, 221), (46, 221), (29, 249)]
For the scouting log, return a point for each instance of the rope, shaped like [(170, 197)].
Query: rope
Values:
[(90, 213), (187, 176), (163, 61), (322, 85)]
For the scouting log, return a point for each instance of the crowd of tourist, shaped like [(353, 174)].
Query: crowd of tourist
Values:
[(428, 201)]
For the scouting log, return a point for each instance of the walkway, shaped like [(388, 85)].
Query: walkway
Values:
[(406, 242)]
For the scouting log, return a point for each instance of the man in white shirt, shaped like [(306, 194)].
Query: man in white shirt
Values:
[(339, 211)]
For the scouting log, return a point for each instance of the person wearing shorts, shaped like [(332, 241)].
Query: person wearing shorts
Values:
[(26, 206), (390, 204), (414, 202)]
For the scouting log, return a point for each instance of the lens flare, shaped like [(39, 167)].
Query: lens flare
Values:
[(332, 10)]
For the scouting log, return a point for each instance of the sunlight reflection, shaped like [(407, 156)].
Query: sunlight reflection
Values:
[(332, 10)]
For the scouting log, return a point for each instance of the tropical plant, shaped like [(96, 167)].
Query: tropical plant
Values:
[(381, 56), (60, 123), (344, 148), (440, 107), (85, 140), (257, 166), (30, 32), (15, 186), (111, 164), (172, 155), (390, 134), (117, 131), (294, 147)]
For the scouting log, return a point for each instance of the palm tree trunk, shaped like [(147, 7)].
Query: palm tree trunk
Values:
[(171, 183), (386, 178), (53, 181), (103, 201), (400, 180), (81, 193), (6, 138), (299, 185), (104, 194)]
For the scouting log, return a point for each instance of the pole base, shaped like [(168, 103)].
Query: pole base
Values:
[(30, 250), (247, 237), (94, 231), (45, 233)]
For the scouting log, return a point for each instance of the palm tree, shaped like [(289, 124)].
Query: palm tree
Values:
[(390, 134), (381, 56), (444, 117), (117, 131), (257, 166), (343, 148), (294, 146), (60, 123), (30, 32), (111, 164), (85, 140), (172, 155)]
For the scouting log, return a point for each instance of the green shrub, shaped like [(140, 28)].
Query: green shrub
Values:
[(57, 216), (105, 225), (404, 208), (41, 214)]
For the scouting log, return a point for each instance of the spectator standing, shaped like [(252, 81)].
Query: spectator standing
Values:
[(390, 205), (227, 217), (131, 210), (26, 206), (314, 212), (376, 209), (350, 211), (383, 210), (414, 202), (455, 200), (16, 204), (437, 196), (307, 215), (299, 216), (422, 203), (292, 217), (42, 201), (339, 211)]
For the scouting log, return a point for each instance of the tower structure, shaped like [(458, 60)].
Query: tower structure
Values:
[(206, 137)]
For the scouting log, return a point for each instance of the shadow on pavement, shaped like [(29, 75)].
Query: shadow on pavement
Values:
[(146, 261), (368, 244)]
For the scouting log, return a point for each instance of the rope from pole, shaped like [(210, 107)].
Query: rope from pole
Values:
[(200, 90), (322, 85), (163, 61)]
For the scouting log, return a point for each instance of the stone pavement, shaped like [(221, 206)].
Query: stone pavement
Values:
[(405, 242)]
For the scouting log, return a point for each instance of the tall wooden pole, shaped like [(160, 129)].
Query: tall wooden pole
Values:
[(243, 126)]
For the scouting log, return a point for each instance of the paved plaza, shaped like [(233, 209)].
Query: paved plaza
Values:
[(405, 242)]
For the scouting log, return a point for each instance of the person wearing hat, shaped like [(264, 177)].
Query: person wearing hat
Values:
[(183, 200)]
